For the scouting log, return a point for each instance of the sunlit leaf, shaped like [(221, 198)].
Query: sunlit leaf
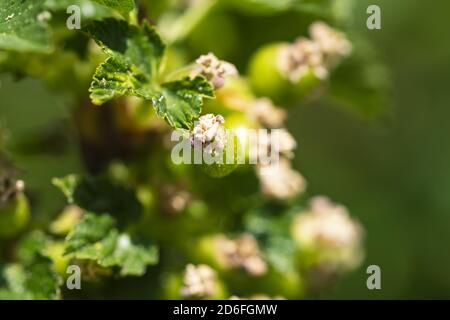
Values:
[(23, 27)]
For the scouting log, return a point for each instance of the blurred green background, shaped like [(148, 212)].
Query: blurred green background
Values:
[(393, 173), (394, 176)]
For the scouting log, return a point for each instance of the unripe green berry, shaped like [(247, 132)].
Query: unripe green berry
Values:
[(14, 216), (265, 76), (55, 251), (220, 170), (205, 251)]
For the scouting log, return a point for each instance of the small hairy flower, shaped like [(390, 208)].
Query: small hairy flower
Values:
[(316, 55), (327, 224), (242, 252), (266, 113), (199, 281), (285, 144), (331, 42), (280, 181), (300, 58), (209, 133), (328, 228), (214, 70)]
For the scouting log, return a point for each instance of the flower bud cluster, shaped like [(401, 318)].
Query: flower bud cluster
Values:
[(242, 252), (317, 55), (329, 229), (199, 281), (214, 70), (209, 133), (263, 111)]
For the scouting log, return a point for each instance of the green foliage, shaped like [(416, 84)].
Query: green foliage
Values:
[(273, 231), (95, 238), (89, 10), (67, 185), (124, 7), (100, 195), (180, 102), (132, 68), (22, 27), (134, 58), (33, 276), (132, 202)]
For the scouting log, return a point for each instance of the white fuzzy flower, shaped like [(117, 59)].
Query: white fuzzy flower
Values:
[(300, 58), (287, 143), (214, 70), (280, 181), (199, 282), (266, 113), (332, 43), (279, 140), (327, 224), (242, 252), (209, 133), (317, 55), (328, 228)]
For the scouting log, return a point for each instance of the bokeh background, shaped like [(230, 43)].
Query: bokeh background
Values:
[(393, 171)]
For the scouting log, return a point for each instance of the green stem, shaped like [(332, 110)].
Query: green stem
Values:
[(187, 22), (133, 17)]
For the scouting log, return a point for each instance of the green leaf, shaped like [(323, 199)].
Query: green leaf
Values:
[(35, 282), (273, 233), (113, 79), (101, 195), (180, 102), (34, 276), (31, 247), (95, 238), (134, 58), (124, 7), (42, 280), (22, 27), (92, 238), (67, 185), (132, 69), (139, 49), (132, 259), (89, 10), (15, 277)]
